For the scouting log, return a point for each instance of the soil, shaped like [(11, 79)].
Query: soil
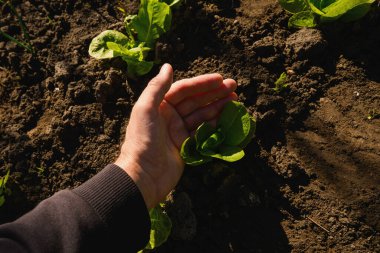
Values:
[(310, 179)]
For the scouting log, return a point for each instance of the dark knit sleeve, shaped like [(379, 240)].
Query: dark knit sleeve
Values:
[(105, 214)]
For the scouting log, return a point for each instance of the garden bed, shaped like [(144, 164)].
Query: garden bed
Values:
[(310, 179)]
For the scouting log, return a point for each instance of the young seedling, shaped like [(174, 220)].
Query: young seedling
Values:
[(142, 30), (27, 45), (161, 226), (3, 188), (38, 170), (281, 83), (309, 13), (234, 130)]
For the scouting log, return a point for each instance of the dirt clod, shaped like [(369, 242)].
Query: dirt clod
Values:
[(315, 153)]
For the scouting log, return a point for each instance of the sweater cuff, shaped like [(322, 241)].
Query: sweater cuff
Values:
[(116, 199)]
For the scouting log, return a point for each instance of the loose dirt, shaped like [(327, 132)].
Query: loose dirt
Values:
[(310, 179)]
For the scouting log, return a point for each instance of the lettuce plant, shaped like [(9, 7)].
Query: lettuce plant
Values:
[(161, 226), (142, 30), (309, 13), (234, 130)]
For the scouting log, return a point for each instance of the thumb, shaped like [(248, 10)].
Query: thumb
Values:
[(156, 89)]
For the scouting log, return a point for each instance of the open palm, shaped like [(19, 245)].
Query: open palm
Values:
[(163, 117)]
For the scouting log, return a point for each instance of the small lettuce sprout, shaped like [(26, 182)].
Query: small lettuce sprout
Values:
[(281, 83), (234, 130), (142, 30), (308, 13), (161, 226)]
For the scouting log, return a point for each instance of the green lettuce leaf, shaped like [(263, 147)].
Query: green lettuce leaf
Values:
[(229, 153), (210, 145), (120, 50), (161, 226), (294, 6), (98, 46), (204, 131), (134, 58), (190, 154), (325, 3), (302, 19), (234, 122), (250, 135), (320, 4), (153, 19), (342, 7), (235, 129), (348, 10), (356, 13), (308, 13), (138, 68)]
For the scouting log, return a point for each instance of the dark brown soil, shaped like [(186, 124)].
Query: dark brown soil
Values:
[(310, 179)]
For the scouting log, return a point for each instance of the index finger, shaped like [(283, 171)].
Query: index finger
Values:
[(192, 86)]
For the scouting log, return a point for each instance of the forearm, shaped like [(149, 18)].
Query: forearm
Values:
[(104, 214)]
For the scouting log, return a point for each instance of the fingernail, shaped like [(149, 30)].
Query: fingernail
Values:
[(164, 67)]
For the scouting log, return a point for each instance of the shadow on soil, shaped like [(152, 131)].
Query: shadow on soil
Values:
[(238, 207), (357, 42), (350, 174)]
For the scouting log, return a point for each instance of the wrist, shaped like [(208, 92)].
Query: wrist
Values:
[(142, 179)]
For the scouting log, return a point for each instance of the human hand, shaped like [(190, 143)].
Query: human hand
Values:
[(163, 117)]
